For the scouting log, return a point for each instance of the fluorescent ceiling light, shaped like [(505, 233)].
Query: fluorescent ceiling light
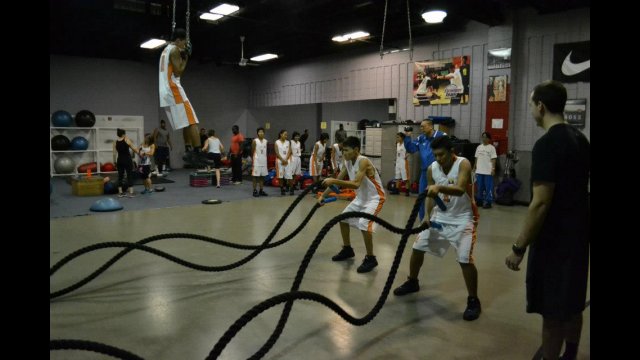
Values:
[(264, 57), (501, 52), (224, 9), (434, 16), (393, 51), (210, 16), (351, 36), (152, 44)]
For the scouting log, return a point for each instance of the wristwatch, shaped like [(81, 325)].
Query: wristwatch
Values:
[(517, 250)]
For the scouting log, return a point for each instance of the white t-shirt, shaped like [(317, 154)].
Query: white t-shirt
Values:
[(484, 154), (214, 145)]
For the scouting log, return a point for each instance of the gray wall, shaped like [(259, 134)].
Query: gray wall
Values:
[(355, 111), (348, 78), (105, 87), (308, 116), (532, 58), (291, 118), (116, 87)]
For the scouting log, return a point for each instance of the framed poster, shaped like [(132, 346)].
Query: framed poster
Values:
[(442, 82), (575, 112), (499, 58), (497, 88)]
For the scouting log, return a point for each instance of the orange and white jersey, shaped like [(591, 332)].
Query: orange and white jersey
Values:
[(371, 187), (402, 163), (459, 208), (337, 162), (319, 156), (282, 148), (401, 152), (171, 92), (173, 99), (296, 148), (260, 155)]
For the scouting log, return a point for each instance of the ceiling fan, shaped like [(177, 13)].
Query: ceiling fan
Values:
[(244, 62)]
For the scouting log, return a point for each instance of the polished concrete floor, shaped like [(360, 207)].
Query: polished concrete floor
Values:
[(160, 310)]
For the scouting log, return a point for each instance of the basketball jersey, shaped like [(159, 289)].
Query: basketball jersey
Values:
[(371, 187), (401, 153), (338, 157), (171, 92), (283, 148), (320, 153), (424, 84), (457, 80), (458, 207), (260, 156), (296, 149)]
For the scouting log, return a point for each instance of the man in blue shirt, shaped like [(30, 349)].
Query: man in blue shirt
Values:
[(422, 143)]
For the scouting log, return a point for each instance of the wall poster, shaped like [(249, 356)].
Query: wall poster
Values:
[(497, 88), (442, 82), (575, 112)]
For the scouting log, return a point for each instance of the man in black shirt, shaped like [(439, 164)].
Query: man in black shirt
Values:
[(557, 225), (304, 138)]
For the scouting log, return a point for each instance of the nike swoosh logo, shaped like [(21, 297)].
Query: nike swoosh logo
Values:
[(570, 69)]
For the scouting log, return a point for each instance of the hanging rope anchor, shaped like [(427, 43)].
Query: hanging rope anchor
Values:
[(384, 25)]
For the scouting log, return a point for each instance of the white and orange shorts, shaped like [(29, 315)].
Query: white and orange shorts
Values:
[(372, 207), (436, 242)]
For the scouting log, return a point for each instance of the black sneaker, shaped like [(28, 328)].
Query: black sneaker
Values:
[(473, 309), (407, 193), (255, 193), (283, 191), (409, 286), (345, 253), (291, 191), (487, 206), (262, 193), (368, 264)]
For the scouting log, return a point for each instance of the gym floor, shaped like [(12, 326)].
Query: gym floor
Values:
[(160, 310)]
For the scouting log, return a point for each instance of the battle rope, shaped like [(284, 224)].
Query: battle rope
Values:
[(295, 294), (92, 346), (140, 246), (288, 297)]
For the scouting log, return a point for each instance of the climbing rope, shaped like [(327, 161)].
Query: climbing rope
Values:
[(410, 38), (187, 18), (384, 24)]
